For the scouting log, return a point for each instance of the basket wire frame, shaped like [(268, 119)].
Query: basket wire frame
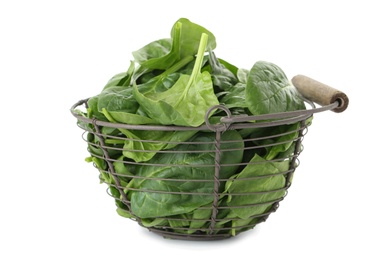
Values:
[(214, 231)]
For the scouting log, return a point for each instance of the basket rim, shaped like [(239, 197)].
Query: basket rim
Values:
[(229, 122)]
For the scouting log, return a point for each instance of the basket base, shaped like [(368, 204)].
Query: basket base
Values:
[(192, 237), (169, 234)]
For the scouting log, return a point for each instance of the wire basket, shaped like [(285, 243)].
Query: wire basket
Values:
[(210, 186)]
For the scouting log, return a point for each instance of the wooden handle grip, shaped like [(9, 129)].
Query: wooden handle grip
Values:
[(320, 93)]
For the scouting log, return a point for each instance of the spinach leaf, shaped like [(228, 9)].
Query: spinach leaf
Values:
[(200, 218), (117, 93), (190, 66), (184, 41), (132, 118), (122, 106), (121, 79), (229, 66), (154, 222), (281, 138), (222, 77), (190, 37), (186, 102), (121, 103), (165, 80), (169, 185), (92, 110), (118, 98), (268, 179), (269, 91), (235, 98), (141, 145), (242, 75), (160, 54)]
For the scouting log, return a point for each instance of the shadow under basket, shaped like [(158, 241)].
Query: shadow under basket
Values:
[(209, 182)]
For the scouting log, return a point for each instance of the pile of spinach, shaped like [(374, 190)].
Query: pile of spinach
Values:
[(165, 179)]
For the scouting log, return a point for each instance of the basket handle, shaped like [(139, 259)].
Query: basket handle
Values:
[(320, 93)]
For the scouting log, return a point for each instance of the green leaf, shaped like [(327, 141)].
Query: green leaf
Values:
[(160, 193), (153, 222), (93, 111), (191, 34), (160, 54), (121, 79), (142, 145), (200, 217), (222, 77), (235, 97), (266, 178), (269, 91), (184, 41), (131, 119), (120, 102), (118, 98), (124, 213), (186, 102), (281, 138), (242, 75)]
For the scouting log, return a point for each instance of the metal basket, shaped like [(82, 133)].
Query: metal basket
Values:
[(226, 206)]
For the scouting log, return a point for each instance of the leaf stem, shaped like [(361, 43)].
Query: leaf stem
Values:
[(178, 65), (112, 120), (130, 72), (114, 141), (199, 58)]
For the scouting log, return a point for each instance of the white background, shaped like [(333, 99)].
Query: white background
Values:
[(54, 53)]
